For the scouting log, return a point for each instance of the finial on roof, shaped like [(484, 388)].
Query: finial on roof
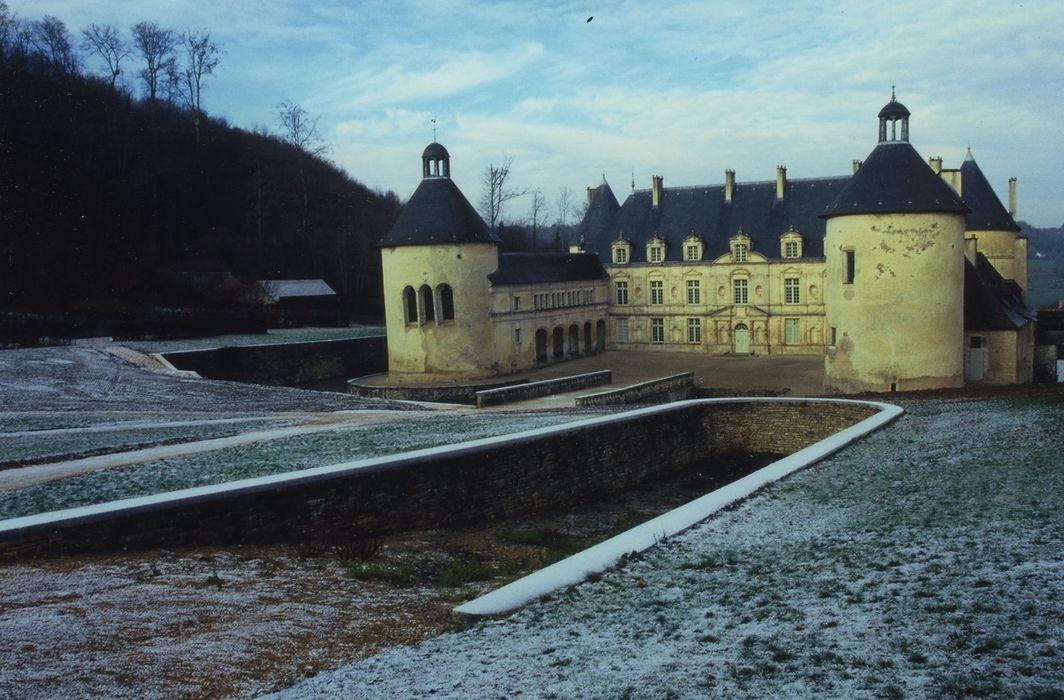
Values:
[(633, 181), (892, 98), (969, 156), (433, 120)]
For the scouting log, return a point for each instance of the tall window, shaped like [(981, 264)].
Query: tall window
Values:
[(739, 252), (833, 335), (517, 336), (790, 249), (694, 292), (851, 267), (515, 303), (427, 305), (694, 330), (621, 328), (657, 292), (410, 304), (791, 293), (791, 331), (622, 293), (741, 291), (657, 330), (446, 302)]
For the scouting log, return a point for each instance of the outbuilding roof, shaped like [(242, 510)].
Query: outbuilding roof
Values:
[(991, 302), (282, 289)]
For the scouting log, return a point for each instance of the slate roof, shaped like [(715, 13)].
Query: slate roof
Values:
[(536, 268), (435, 150), (894, 178), (438, 212), (702, 211), (281, 289), (893, 109), (987, 213), (600, 211), (991, 302)]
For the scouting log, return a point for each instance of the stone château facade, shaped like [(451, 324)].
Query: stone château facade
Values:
[(902, 275)]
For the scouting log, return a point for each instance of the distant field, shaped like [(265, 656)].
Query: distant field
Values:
[(1046, 288)]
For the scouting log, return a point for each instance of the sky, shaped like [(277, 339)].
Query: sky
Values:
[(574, 92)]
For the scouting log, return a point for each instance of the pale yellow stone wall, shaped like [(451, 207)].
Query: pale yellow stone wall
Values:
[(764, 314), (901, 320), (1006, 252), (1008, 357), (541, 309), (457, 347)]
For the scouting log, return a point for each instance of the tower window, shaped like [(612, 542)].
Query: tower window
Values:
[(446, 302), (851, 267), (427, 305), (410, 304)]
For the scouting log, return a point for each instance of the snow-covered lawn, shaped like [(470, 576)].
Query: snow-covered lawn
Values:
[(275, 336), (925, 561)]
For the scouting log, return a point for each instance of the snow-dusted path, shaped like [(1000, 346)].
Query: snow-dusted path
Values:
[(926, 561), (19, 478)]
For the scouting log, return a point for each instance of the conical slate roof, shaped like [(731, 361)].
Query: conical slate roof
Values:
[(894, 179), (987, 212), (438, 212)]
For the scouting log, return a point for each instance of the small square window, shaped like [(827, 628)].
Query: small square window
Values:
[(691, 252), (656, 253), (790, 249), (620, 254)]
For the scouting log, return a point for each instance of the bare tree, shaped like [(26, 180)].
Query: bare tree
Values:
[(8, 25), (52, 39), (156, 46), (202, 56), (536, 213), (302, 132), (563, 206), (107, 43), (496, 192)]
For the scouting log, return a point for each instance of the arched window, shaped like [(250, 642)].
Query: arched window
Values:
[(427, 306), (410, 305), (446, 302)]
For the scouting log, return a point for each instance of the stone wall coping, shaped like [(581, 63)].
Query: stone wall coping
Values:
[(194, 351), (607, 396), (543, 387), (604, 555), (275, 482)]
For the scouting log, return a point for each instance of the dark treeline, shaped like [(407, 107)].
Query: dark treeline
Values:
[(108, 201)]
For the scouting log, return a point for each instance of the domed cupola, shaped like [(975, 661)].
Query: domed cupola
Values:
[(895, 115), (436, 161)]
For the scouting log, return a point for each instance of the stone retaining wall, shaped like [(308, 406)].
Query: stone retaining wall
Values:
[(456, 392), (547, 387), (463, 484), (287, 363), (673, 388)]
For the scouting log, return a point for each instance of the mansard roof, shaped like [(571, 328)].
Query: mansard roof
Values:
[(702, 211), (991, 302), (438, 212), (895, 179), (536, 268), (987, 213)]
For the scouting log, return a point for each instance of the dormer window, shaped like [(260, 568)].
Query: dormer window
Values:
[(791, 245), (740, 247), (692, 249), (656, 250), (622, 252)]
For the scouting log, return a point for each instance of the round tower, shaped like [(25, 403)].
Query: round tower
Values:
[(894, 287), (436, 259)]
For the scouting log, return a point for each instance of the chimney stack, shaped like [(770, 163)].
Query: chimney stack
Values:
[(781, 181), (729, 185), (655, 190), (1012, 197), (971, 248), (856, 166), (936, 164), (590, 195)]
